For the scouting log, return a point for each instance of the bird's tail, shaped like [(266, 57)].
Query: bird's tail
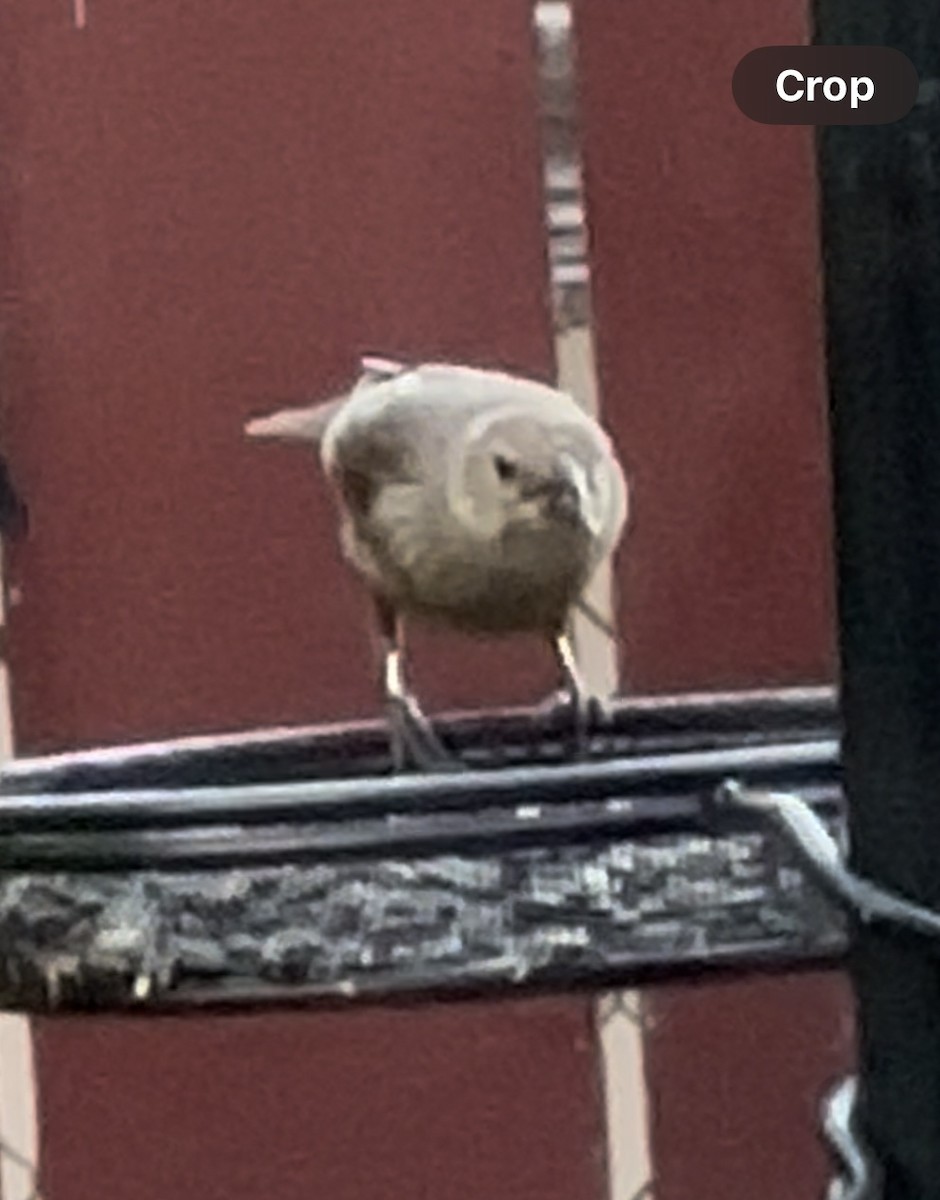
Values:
[(308, 424), (296, 424)]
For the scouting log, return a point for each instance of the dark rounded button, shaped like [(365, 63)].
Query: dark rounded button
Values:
[(825, 85)]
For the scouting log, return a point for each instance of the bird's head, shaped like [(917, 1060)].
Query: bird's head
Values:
[(513, 471)]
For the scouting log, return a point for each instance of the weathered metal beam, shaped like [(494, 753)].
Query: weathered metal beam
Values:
[(326, 820), (130, 877), (635, 725)]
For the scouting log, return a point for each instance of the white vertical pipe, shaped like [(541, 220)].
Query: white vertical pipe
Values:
[(620, 1037), (19, 1126)]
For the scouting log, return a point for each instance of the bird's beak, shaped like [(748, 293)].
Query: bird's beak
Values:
[(556, 496), (576, 496)]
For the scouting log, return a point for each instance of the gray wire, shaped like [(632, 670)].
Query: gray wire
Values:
[(840, 1125), (805, 833)]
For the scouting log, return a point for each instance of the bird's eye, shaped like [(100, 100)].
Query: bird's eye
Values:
[(505, 468)]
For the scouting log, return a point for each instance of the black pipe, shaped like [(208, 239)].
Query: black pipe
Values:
[(880, 195), (332, 800), (579, 804), (637, 725)]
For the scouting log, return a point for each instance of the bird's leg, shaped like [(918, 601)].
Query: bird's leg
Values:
[(413, 740), (574, 687), (586, 709)]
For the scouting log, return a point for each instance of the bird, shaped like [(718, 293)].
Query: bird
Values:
[(469, 498)]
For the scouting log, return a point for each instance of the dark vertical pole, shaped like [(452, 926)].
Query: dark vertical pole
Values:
[(881, 237)]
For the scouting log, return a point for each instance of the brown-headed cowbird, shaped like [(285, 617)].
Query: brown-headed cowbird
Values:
[(469, 498)]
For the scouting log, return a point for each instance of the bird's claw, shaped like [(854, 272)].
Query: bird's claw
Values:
[(580, 709), (414, 742), (577, 711)]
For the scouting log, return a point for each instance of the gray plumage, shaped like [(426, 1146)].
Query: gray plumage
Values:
[(469, 498)]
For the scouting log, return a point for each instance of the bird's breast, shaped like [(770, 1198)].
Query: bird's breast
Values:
[(525, 579)]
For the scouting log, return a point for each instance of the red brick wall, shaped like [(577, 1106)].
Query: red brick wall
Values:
[(204, 207), (710, 341)]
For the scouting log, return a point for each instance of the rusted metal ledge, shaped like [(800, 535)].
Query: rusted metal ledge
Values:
[(288, 865)]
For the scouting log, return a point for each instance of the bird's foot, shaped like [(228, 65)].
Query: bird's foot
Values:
[(580, 710), (414, 743)]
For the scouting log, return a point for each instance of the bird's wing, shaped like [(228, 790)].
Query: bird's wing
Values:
[(384, 434), (429, 403), (476, 388)]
